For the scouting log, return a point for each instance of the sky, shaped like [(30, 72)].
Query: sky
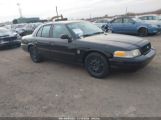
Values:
[(73, 9)]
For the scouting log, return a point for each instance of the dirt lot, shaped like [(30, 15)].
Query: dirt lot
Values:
[(58, 89)]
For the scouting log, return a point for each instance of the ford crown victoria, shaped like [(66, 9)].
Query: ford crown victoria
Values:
[(82, 42)]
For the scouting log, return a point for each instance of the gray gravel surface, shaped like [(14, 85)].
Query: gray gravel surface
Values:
[(56, 89)]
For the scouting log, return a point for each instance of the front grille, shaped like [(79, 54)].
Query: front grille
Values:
[(9, 38), (145, 49)]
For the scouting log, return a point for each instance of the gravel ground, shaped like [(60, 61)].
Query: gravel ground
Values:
[(57, 89)]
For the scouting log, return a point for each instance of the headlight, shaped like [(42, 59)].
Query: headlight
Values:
[(127, 54)]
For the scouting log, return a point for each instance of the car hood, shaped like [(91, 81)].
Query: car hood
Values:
[(126, 41)]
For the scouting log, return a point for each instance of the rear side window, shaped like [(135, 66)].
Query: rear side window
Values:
[(39, 32), (46, 31)]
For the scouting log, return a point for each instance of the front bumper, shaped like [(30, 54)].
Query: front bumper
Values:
[(153, 30), (132, 63), (10, 43), (24, 47)]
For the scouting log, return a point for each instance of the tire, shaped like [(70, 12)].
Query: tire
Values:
[(34, 55), (97, 65), (143, 32)]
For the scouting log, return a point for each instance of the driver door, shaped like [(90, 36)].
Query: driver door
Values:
[(62, 49)]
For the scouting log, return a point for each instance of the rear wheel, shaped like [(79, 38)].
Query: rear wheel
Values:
[(97, 65), (143, 32), (35, 56)]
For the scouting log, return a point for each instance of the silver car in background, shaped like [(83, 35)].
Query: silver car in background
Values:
[(152, 19)]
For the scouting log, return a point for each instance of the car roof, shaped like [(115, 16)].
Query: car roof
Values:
[(65, 22), (148, 15), (122, 17)]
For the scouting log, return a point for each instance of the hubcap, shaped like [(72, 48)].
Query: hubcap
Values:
[(95, 65), (143, 32)]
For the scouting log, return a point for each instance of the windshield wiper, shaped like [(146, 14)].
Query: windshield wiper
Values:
[(87, 35), (97, 33)]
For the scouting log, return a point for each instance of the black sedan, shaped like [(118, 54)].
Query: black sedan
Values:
[(85, 43), (9, 38)]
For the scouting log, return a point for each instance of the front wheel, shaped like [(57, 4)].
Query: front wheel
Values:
[(34, 55), (97, 65), (143, 32)]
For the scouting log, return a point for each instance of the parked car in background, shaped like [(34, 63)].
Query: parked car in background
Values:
[(9, 38), (159, 17), (24, 28), (152, 19), (84, 43), (19, 28), (30, 27), (129, 25)]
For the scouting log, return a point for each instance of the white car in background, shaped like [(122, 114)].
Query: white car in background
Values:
[(160, 17), (152, 19)]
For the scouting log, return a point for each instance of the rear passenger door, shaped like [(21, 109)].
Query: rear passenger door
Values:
[(44, 40), (129, 26)]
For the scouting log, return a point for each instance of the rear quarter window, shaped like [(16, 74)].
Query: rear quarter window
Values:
[(46, 31), (39, 32)]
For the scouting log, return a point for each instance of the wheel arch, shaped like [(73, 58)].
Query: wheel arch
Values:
[(106, 55), (30, 45), (140, 27)]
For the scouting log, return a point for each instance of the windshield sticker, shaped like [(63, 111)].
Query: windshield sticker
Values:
[(78, 32)]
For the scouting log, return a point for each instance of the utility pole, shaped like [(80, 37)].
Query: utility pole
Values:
[(19, 9), (57, 11), (126, 10)]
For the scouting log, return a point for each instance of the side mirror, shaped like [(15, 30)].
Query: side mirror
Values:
[(66, 37)]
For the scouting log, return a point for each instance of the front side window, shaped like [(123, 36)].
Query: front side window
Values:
[(137, 20), (60, 30), (117, 20), (46, 31), (128, 20), (39, 32)]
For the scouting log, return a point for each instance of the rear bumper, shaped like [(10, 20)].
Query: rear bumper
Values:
[(132, 63), (10, 43)]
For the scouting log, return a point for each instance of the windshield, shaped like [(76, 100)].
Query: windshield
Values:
[(84, 29), (153, 18)]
